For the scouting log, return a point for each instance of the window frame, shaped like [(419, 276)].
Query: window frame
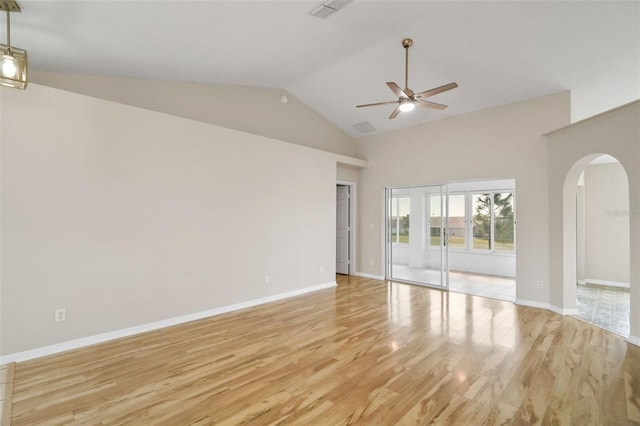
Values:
[(492, 243), (396, 199), (468, 223)]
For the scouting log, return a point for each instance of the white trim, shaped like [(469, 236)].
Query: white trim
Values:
[(634, 340), (564, 311), (533, 304), (350, 161), (547, 306), (353, 224), (372, 276), (104, 337), (604, 282)]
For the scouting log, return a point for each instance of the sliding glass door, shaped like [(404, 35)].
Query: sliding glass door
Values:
[(417, 235)]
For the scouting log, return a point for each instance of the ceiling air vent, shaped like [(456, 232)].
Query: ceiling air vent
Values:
[(328, 8), (364, 127)]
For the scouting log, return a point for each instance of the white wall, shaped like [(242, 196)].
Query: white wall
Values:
[(580, 231), (503, 265), (571, 149), (503, 142), (256, 110), (478, 263), (606, 224), (126, 216)]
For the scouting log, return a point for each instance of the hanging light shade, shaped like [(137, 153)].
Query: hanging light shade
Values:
[(13, 61)]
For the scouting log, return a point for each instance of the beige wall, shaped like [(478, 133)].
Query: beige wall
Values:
[(500, 143), (126, 216), (606, 223), (254, 110), (346, 173), (616, 133)]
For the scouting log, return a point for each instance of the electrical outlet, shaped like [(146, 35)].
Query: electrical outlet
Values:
[(321, 268), (266, 279), (61, 315), (540, 284), (371, 262)]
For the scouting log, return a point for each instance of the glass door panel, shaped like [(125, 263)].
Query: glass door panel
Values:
[(417, 231)]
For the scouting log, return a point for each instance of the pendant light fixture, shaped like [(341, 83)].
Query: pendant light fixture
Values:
[(13, 61)]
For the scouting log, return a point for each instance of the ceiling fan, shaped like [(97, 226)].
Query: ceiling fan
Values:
[(407, 99)]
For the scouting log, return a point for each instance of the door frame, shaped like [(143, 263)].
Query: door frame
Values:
[(444, 233), (352, 223)]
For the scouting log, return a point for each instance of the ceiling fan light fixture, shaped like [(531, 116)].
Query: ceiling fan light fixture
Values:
[(9, 68), (407, 106), (13, 67), (13, 61)]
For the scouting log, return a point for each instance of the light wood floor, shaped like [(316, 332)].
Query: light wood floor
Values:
[(365, 353)]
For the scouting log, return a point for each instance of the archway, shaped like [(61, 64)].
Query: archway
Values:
[(615, 132), (603, 245)]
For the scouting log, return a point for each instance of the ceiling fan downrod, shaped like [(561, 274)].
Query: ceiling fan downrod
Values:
[(406, 43)]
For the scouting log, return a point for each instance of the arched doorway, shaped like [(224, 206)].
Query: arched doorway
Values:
[(603, 245), (614, 132)]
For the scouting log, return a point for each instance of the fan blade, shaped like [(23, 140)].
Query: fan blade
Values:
[(395, 113), (397, 90), (377, 103), (428, 104), (437, 90)]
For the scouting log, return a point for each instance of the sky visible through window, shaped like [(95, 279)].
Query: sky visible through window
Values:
[(456, 205)]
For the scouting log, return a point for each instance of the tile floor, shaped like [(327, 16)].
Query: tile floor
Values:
[(494, 287), (605, 307), (502, 288)]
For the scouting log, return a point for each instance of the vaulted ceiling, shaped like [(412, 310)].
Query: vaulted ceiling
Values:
[(498, 52)]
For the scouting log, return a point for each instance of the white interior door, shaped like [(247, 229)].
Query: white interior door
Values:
[(342, 229)]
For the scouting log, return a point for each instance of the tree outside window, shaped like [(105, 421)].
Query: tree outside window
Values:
[(503, 227), (495, 208)]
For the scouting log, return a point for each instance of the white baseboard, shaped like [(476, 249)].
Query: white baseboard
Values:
[(547, 306), (104, 337), (564, 311), (604, 282), (373, 277), (532, 304), (634, 340)]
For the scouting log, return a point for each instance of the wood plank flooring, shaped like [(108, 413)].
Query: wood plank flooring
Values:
[(367, 352)]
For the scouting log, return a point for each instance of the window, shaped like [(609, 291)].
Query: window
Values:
[(503, 227), (435, 220), (493, 221), (400, 220), (457, 221), (481, 221)]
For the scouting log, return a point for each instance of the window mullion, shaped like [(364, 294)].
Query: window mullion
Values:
[(492, 242)]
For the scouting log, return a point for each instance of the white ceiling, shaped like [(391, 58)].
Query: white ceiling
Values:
[(498, 52)]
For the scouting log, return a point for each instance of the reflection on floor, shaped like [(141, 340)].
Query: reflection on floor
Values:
[(605, 307), (494, 287)]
